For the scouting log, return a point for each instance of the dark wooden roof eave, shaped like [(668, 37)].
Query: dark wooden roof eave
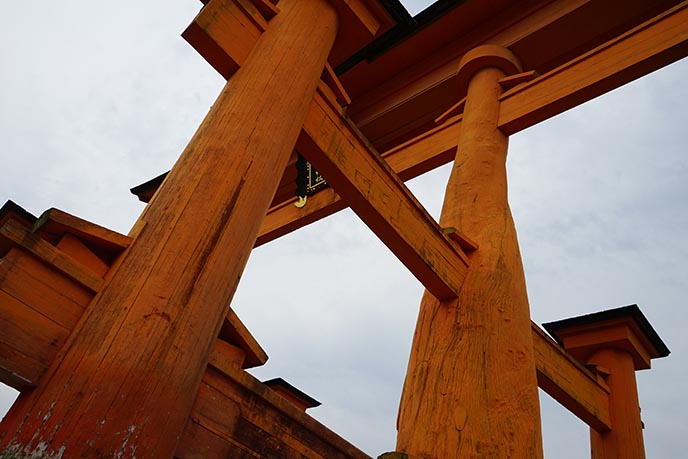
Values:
[(632, 311)]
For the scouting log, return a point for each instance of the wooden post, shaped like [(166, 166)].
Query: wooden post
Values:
[(471, 388), (128, 375), (617, 342), (625, 439)]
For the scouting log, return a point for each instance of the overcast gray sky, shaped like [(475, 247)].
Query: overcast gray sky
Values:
[(96, 97)]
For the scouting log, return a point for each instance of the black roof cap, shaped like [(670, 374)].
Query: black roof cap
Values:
[(279, 382), (632, 311), (11, 206)]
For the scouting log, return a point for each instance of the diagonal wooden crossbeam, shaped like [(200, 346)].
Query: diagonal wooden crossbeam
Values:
[(394, 98), (379, 197)]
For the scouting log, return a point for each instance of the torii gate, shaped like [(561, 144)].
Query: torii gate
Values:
[(136, 353)]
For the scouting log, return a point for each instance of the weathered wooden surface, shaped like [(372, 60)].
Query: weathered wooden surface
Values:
[(39, 307), (566, 79), (105, 243), (236, 416), (234, 331), (470, 389), (409, 160), (380, 199), (569, 383), (47, 278), (56, 258), (226, 43), (225, 32), (625, 438), (644, 49), (135, 362), (399, 94)]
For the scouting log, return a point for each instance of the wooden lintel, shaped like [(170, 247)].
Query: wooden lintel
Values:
[(50, 254), (235, 415), (55, 221), (235, 332), (570, 383), (392, 100), (378, 196), (224, 32), (644, 49)]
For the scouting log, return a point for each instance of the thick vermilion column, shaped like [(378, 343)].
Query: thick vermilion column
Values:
[(471, 388), (126, 380)]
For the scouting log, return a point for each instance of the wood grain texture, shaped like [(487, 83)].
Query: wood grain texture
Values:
[(235, 332), (234, 415), (648, 47), (224, 33), (658, 42), (471, 389), (378, 196), (126, 382), (52, 255), (625, 439), (569, 383), (57, 222), (76, 249), (410, 85)]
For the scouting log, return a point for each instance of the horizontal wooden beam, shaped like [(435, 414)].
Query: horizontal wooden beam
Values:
[(50, 254), (399, 93), (235, 415), (57, 222), (224, 32), (644, 49), (424, 153), (657, 42), (570, 383), (378, 196)]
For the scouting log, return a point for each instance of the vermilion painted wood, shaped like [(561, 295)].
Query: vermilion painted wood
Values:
[(224, 33), (411, 159), (129, 374), (625, 439), (527, 24), (53, 256), (648, 47), (235, 416), (399, 94), (570, 383), (77, 250), (613, 64), (380, 199), (470, 389)]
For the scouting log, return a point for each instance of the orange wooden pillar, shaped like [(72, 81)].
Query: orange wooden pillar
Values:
[(126, 379), (617, 342), (471, 388)]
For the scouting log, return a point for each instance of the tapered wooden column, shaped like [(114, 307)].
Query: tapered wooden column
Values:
[(471, 388), (128, 375)]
